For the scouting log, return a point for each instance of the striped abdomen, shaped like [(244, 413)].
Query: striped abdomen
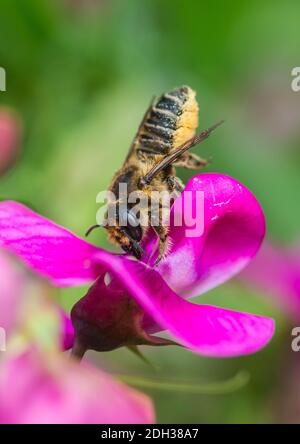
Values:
[(170, 122)]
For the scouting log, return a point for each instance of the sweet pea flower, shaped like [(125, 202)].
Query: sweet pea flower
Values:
[(36, 388), (132, 300), (10, 130), (11, 281), (276, 272), (38, 383), (16, 286)]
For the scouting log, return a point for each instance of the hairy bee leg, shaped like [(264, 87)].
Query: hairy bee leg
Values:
[(156, 222), (163, 245), (191, 161), (175, 184)]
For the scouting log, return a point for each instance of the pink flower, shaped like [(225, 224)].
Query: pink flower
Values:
[(15, 287), (11, 281), (44, 389), (38, 384), (276, 271), (131, 299), (9, 138)]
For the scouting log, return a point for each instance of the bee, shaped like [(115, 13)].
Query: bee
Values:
[(161, 143)]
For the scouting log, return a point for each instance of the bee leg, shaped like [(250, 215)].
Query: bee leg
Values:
[(174, 184), (191, 161), (163, 245)]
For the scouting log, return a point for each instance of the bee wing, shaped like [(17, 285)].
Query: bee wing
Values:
[(171, 158), (133, 145)]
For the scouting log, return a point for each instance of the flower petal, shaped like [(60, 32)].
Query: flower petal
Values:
[(11, 289), (234, 227), (18, 290), (47, 248), (276, 271), (54, 389), (207, 330), (67, 331)]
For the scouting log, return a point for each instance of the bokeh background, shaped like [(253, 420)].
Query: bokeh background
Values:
[(80, 75)]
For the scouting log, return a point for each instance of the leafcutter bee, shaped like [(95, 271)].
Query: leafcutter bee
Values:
[(162, 141)]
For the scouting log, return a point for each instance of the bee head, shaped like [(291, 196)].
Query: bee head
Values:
[(132, 231), (127, 233)]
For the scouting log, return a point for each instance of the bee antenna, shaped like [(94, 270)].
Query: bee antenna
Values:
[(92, 228)]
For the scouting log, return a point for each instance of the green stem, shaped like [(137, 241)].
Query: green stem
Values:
[(214, 388), (78, 350)]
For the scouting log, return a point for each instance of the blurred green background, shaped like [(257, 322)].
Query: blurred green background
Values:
[(81, 73)]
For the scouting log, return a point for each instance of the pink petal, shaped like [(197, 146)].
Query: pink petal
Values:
[(67, 331), (47, 248), (234, 227), (11, 287), (276, 271), (16, 285), (207, 330), (58, 390)]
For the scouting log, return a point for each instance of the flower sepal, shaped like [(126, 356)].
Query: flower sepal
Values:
[(107, 318)]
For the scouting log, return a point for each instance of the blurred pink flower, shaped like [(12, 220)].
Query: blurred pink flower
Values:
[(272, 108), (276, 271), (11, 281), (131, 299), (38, 384), (15, 285), (38, 389), (10, 130)]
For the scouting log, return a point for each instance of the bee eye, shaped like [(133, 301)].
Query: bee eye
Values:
[(132, 221), (130, 225)]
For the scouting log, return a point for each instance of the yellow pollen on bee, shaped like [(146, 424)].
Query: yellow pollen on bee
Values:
[(187, 122)]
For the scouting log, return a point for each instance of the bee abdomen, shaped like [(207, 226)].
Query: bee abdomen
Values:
[(171, 121)]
